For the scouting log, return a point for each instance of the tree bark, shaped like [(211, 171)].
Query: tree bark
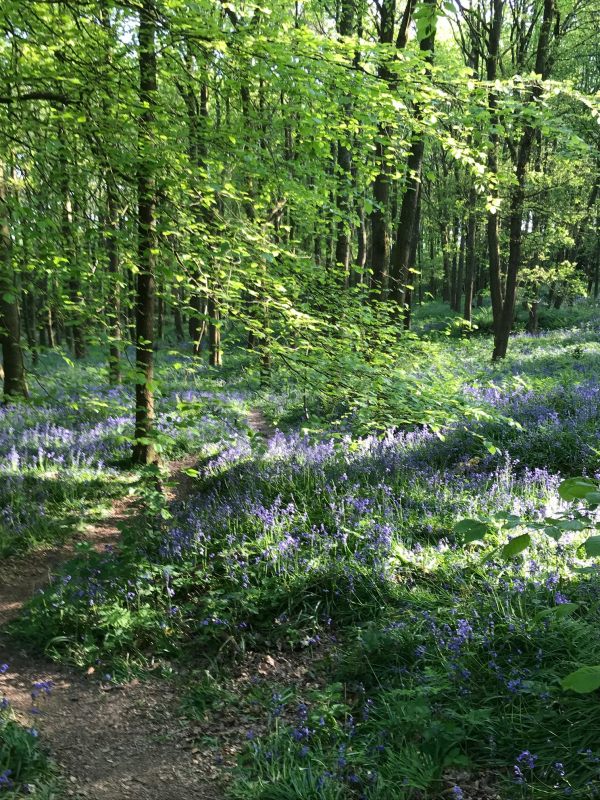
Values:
[(215, 354), (470, 256), (493, 232), (380, 235), (408, 209), (114, 313), (15, 385), (504, 327), (111, 243), (344, 164), (69, 248), (414, 245), (144, 451)]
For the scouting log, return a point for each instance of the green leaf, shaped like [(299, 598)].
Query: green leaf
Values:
[(558, 612), (554, 532), (592, 546), (570, 525), (576, 488), (583, 681), (516, 545), (472, 530)]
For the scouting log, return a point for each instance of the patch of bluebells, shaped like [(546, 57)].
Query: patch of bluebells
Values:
[(79, 435), (560, 425), (309, 508)]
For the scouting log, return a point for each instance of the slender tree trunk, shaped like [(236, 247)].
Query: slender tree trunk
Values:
[(408, 294), (446, 262), (504, 327), (114, 314), (15, 385), (408, 209), (177, 318), (144, 451), (160, 317), (493, 233), (454, 272), (70, 251), (215, 354), (380, 234), (358, 273), (532, 321), (597, 257), (344, 164), (112, 239), (197, 109), (471, 255), (460, 271)]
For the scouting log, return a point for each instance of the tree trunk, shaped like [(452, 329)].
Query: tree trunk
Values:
[(111, 242), (215, 354), (144, 450), (380, 235), (15, 385), (454, 271), (114, 312), (470, 257), (504, 327), (447, 278), (532, 321), (69, 248), (344, 163), (460, 271), (408, 209), (408, 294), (493, 233), (177, 318)]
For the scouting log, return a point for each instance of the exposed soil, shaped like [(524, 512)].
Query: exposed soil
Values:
[(110, 742), (260, 424)]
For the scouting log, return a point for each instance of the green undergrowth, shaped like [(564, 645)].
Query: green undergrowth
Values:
[(440, 664), (25, 770)]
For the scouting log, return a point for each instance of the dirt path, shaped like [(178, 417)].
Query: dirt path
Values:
[(260, 424), (111, 743), (22, 576)]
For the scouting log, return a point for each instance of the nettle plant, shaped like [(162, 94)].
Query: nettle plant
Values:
[(583, 498)]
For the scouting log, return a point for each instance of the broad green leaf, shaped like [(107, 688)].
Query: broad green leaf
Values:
[(592, 546), (570, 525), (516, 545), (576, 488), (553, 531), (583, 681), (472, 530), (558, 612)]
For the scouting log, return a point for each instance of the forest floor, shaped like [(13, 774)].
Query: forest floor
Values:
[(109, 741)]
